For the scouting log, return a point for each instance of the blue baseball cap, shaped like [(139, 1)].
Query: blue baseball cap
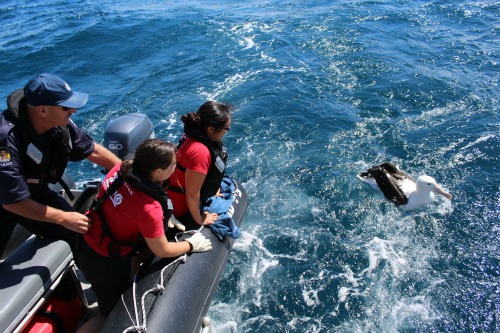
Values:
[(49, 89)]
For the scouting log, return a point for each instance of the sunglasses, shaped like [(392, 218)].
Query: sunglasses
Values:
[(226, 128), (66, 108)]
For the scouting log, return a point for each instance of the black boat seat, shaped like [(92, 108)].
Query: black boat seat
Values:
[(27, 275)]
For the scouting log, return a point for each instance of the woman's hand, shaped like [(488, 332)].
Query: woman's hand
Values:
[(199, 243), (208, 218)]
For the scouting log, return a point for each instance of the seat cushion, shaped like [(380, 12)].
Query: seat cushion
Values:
[(27, 274)]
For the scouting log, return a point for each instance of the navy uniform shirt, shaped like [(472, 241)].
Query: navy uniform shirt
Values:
[(13, 183)]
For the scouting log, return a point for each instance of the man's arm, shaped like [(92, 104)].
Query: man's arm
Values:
[(33, 210), (103, 157)]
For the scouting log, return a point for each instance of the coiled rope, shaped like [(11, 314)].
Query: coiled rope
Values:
[(136, 325)]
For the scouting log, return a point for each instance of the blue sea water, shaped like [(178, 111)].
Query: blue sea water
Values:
[(323, 90)]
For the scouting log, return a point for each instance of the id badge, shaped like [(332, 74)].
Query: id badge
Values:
[(35, 154)]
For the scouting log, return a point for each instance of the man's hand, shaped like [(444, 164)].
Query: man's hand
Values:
[(76, 222), (35, 211)]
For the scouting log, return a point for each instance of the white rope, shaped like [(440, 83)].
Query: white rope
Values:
[(136, 327), (159, 287), (134, 296)]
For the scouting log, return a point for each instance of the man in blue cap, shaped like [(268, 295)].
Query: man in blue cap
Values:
[(37, 139)]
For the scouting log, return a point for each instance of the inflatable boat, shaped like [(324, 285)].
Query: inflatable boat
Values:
[(40, 287)]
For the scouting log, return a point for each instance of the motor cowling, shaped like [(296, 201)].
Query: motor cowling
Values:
[(122, 135)]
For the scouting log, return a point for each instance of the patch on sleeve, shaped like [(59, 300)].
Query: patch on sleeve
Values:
[(5, 156)]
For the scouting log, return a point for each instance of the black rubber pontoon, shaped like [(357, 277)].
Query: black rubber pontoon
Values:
[(188, 287)]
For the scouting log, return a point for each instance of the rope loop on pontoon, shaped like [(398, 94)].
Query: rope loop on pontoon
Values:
[(135, 329), (158, 288)]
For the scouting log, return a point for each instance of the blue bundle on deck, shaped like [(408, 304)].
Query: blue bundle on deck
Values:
[(224, 226)]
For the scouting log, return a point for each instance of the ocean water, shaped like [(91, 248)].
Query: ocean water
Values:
[(323, 90)]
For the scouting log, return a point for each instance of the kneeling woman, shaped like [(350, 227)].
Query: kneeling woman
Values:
[(201, 163), (131, 205)]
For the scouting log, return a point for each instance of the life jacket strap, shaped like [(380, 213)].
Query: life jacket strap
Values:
[(66, 189), (114, 246), (180, 167), (173, 188), (176, 189), (42, 181)]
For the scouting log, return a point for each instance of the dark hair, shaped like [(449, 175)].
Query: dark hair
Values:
[(150, 155), (211, 113)]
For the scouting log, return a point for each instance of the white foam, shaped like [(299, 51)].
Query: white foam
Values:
[(261, 262), (248, 43), (378, 250)]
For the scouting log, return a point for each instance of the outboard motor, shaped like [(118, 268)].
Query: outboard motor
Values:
[(123, 134)]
